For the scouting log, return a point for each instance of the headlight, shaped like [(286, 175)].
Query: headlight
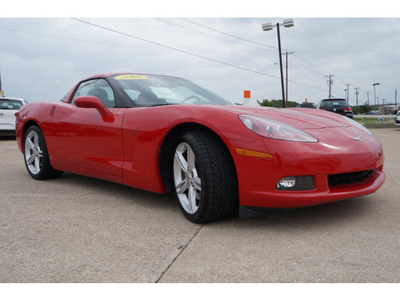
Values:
[(275, 130), (358, 125)]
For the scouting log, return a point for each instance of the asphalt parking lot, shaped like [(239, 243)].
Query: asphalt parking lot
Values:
[(78, 229)]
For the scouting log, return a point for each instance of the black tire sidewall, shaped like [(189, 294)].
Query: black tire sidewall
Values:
[(190, 139), (210, 206)]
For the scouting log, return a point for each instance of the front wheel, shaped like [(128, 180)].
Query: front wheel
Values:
[(36, 157), (204, 174)]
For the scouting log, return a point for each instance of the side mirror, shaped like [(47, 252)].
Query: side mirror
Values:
[(91, 102)]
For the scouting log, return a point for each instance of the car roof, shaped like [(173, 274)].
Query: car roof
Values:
[(11, 98), (334, 99)]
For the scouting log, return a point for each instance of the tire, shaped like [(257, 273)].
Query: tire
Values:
[(36, 157), (204, 177)]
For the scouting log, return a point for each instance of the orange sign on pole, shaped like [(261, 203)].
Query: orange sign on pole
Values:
[(246, 94)]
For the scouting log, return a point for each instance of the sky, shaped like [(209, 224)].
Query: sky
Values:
[(42, 56)]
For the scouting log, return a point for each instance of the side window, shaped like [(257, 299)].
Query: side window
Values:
[(326, 104), (98, 88)]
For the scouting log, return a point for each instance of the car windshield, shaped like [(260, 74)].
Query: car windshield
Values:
[(153, 90), (333, 103), (10, 104)]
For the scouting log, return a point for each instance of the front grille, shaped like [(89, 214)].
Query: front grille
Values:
[(348, 178)]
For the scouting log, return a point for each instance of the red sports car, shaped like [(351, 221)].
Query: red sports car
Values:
[(166, 134)]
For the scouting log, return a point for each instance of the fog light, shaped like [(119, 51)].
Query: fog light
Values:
[(297, 183), (286, 183)]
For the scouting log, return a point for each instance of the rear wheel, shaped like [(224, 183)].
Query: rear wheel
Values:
[(36, 157), (205, 182)]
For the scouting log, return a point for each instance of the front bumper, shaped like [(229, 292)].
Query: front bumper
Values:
[(258, 177), (7, 132), (322, 194), (7, 129)]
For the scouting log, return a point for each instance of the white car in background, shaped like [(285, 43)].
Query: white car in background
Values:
[(397, 118), (8, 107)]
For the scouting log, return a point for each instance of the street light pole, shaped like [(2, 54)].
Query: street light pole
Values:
[(280, 63), (268, 26)]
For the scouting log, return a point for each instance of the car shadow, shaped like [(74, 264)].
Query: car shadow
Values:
[(117, 191), (331, 214)]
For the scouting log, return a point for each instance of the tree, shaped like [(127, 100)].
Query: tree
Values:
[(362, 109), (277, 103)]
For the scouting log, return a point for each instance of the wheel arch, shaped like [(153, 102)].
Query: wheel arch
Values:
[(21, 134), (166, 149), (27, 125)]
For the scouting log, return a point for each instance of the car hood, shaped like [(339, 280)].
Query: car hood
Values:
[(301, 118)]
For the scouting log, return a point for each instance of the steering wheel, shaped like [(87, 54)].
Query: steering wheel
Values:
[(190, 97)]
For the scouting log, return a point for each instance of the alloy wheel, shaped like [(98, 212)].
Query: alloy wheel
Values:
[(186, 178), (33, 153)]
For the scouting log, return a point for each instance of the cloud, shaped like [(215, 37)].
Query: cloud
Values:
[(44, 58)]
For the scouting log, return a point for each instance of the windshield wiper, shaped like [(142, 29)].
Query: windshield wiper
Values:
[(159, 104)]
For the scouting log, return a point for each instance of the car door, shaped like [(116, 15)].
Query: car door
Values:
[(83, 140)]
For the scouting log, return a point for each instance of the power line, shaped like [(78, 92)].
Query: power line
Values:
[(302, 61), (231, 35), (204, 33), (314, 68), (173, 48), (52, 36), (190, 53), (264, 45), (207, 27), (142, 39)]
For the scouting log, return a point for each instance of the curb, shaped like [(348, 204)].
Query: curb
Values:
[(382, 126)]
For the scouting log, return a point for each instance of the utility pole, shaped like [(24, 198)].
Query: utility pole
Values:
[(357, 88), (374, 85), (367, 97), (287, 77), (395, 98), (347, 92), (330, 82)]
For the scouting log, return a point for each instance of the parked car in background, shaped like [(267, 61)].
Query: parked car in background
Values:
[(373, 112), (397, 118), (339, 106), (306, 105), (8, 108)]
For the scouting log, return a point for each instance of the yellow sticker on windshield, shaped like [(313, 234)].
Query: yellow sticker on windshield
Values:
[(130, 77)]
